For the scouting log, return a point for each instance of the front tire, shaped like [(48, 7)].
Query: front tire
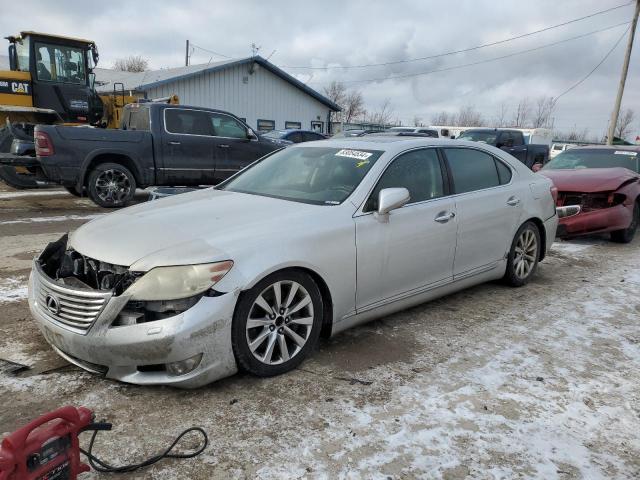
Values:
[(627, 234), (524, 254), (111, 185), (277, 323)]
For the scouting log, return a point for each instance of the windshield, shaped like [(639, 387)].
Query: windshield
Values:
[(401, 129), (479, 136), (594, 158), (275, 134), (60, 63), (317, 175)]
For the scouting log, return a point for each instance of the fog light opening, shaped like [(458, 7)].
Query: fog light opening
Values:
[(183, 367)]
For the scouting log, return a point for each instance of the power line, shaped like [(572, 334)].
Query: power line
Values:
[(594, 68), (502, 57), (210, 51), (454, 52)]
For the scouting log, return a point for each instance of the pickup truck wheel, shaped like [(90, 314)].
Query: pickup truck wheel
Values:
[(111, 185)]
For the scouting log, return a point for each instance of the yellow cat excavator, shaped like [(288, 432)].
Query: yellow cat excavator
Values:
[(50, 80)]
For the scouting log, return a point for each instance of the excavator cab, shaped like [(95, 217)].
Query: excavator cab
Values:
[(51, 73)]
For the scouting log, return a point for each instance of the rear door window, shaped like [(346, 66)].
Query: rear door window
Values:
[(189, 122), (471, 169), (295, 137), (309, 136), (518, 139)]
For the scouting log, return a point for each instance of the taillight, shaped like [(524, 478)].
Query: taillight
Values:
[(44, 145)]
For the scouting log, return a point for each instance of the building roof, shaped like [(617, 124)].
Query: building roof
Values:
[(142, 81)]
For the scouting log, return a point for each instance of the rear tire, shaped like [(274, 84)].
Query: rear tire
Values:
[(111, 185), (277, 323), (627, 234), (524, 254)]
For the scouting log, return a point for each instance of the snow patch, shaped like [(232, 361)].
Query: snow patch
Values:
[(9, 195), (12, 289), (61, 218)]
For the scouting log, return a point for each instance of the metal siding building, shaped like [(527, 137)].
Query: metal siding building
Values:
[(252, 89)]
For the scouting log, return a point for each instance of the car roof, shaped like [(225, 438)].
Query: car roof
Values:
[(632, 148)]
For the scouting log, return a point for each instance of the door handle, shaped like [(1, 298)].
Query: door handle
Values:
[(223, 145), (174, 143), (513, 201), (444, 217)]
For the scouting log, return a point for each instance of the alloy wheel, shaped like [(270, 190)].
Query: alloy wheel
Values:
[(112, 186), (279, 322), (526, 252)]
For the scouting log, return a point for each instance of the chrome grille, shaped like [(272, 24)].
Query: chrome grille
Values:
[(74, 308)]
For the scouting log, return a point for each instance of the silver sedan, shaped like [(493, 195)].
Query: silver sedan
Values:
[(306, 242)]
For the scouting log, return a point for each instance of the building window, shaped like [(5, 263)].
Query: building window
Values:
[(292, 125), (266, 125), (317, 126)]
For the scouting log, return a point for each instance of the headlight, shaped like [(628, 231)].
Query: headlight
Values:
[(172, 283)]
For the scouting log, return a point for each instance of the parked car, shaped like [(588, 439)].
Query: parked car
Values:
[(249, 274), (158, 145), (603, 182), (289, 136), (511, 141), (558, 148), (353, 133), (430, 132)]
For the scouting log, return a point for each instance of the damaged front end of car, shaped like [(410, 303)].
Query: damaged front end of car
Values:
[(155, 327)]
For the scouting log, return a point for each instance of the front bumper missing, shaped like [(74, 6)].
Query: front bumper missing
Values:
[(119, 352), (601, 220)]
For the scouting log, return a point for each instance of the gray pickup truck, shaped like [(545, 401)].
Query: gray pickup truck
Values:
[(157, 144), (511, 141)]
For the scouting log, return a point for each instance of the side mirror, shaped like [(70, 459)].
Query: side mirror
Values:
[(392, 198), (536, 167), (92, 81), (251, 135)]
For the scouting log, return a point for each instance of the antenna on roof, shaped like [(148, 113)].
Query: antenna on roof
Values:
[(255, 49), (270, 55)]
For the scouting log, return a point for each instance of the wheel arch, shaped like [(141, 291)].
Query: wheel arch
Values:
[(325, 293), (110, 157)]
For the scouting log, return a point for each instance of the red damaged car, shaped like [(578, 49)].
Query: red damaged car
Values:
[(598, 190)]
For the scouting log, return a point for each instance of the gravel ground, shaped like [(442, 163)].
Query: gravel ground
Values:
[(538, 382)]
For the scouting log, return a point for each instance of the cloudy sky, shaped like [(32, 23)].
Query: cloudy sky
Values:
[(334, 34)]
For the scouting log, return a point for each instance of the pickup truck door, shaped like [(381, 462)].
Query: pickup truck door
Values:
[(188, 148), (513, 143), (234, 149)]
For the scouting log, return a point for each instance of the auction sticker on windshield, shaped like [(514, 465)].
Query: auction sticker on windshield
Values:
[(357, 154), (625, 152)]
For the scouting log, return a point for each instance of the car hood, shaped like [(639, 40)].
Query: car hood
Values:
[(589, 180), (185, 229)]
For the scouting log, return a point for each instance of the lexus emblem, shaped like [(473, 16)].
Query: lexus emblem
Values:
[(52, 304)]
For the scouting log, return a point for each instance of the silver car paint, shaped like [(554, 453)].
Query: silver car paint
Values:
[(263, 235)]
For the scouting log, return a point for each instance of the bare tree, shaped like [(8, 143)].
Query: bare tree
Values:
[(501, 115), (133, 63), (468, 116), (353, 106), (442, 118), (578, 135), (521, 116), (417, 121), (337, 93), (625, 120), (542, 115), (384, 114)]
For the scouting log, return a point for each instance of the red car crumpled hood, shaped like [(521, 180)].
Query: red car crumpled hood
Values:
[(589, 180)]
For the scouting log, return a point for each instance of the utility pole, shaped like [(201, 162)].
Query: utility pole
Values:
[(186, 55), (623, 77)]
